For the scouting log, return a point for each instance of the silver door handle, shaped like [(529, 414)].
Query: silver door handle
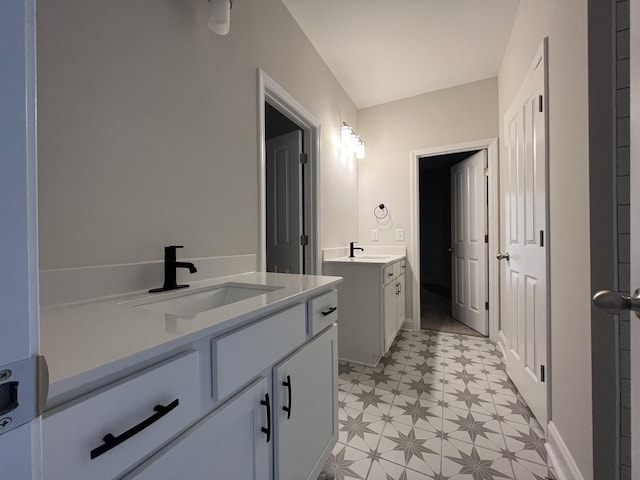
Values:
[(500, 256), (452, 249), (612, 302)]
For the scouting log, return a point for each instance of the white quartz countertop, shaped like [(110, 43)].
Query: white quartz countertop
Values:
[(86, 342), (368, 259)]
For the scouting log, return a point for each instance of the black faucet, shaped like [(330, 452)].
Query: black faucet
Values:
[(170, 266), (353, 249)]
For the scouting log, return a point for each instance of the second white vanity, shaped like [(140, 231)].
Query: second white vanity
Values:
[(372, 304)]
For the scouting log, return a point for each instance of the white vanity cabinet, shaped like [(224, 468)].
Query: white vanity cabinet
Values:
[(103, 434), (372, 306), (306, 408), (256, 402), (394, 301), (227, 444)]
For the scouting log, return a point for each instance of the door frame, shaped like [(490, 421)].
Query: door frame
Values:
[(20, 448), (491, 146), (271, 92)]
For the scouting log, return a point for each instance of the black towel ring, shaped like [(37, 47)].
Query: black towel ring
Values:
[(380, 211)]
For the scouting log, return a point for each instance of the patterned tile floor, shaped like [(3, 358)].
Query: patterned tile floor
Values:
[(438, 406)]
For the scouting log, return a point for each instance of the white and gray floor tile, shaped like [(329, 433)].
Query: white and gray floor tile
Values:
[(439, 406)]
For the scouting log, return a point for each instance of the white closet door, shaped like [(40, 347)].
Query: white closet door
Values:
[(523, 275), (469, 255)]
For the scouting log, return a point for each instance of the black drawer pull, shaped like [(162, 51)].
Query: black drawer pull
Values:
[(111, 441), (390, 274), (267, 404), (329, 312), (288, 385)]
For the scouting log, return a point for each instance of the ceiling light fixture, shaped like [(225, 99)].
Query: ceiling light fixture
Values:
[(220, 16)]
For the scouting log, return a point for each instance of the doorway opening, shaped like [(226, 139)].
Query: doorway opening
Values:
[(491, 242), (285, 170), (453, 252), (288, 173)]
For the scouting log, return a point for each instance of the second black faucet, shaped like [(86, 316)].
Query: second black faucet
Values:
[(352, 249)]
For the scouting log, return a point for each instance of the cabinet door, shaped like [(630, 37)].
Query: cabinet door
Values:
[(305, 384), (401, 299), (227, 444), (390, 314)]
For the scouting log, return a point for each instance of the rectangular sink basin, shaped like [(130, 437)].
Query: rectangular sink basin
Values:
[(192, 303), (372, 257)]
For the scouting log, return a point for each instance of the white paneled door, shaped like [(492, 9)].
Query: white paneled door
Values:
[(284, 199), (523, 246), (468, 247)]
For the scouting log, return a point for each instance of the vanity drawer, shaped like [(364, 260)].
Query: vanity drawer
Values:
[(141, 412), (399, 268), (323, 311), (240, 356), (388, 273)]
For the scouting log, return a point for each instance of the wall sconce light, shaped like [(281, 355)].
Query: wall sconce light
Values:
[(220, 16), (345, 134), (360, 150), (352, 141)]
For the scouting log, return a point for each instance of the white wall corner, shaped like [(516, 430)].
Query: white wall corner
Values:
[(560, 457)]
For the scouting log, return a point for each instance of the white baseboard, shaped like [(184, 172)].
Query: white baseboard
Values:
[(408, 324), (70, 285), (560, 457)]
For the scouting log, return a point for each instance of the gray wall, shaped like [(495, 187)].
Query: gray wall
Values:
[(147, 128), (602, 219)]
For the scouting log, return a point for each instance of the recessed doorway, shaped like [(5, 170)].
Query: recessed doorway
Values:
[(284, 147), (453, 249), (288, 173), (416, 158)]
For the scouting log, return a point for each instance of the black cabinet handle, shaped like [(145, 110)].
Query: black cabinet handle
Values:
[(390, 274), (111, 441), (267, 404), (329, 312), (288, 385)]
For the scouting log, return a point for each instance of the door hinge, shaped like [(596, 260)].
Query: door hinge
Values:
[(540, 103), (486, 305), (304, 158), (486, 171), (24, 388), (542, 373), (542, 238), (486, 239), (304, 240)]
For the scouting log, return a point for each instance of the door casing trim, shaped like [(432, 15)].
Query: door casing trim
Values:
[(268, 90), (491, 146)]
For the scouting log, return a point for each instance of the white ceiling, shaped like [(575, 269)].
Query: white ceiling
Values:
[(382, 50)]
